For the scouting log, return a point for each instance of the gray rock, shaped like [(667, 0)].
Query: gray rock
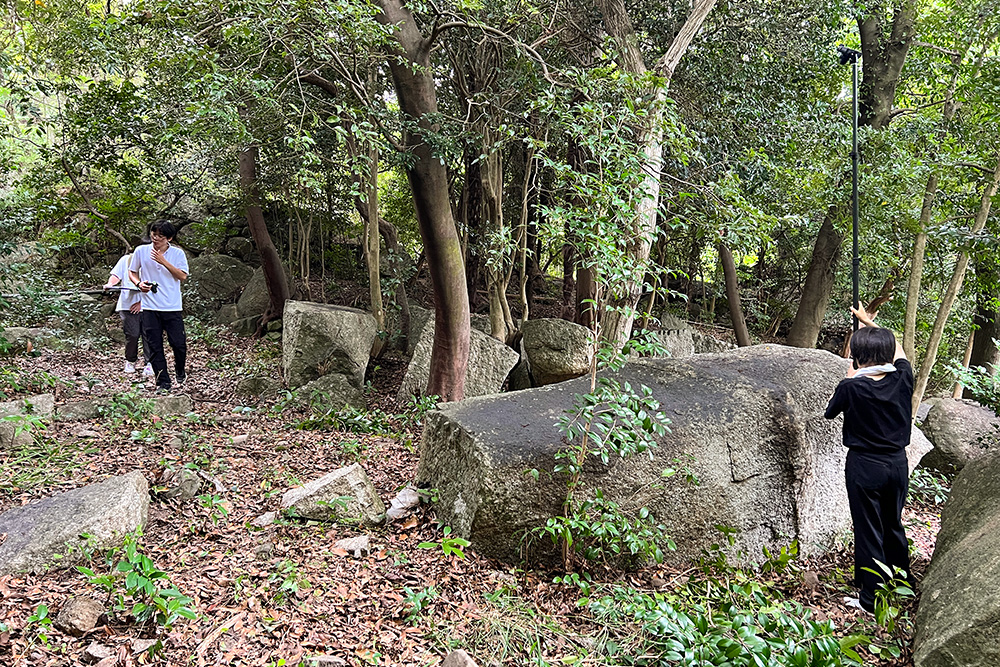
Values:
[(357, 546), (240, 248), (11, 437), (245, 326), (227, 314), (958, 620), (97, 652), (419, 317), (748, 423), (961, 431), (274, 325), (490, 361), (332, 391), (18, 338), (82, 410), (518, 377), (320, 339), (257, 386), (264, 520), (255, 299), (39, 405), (458, 658), (556, 350), (704, 344), (918, 448), (79, 616), (214, 280), (41, 530), (180, 404), (183, 483), (344, 494)]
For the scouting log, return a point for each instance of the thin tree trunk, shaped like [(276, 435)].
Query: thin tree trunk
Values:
[(951, 293), (372, 255), (733, 296), (966, 358), (413, 80), (274, 275)]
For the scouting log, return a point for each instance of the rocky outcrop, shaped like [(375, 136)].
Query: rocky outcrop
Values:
[(555, 350), (489, 363), (37, 532), (748, 424), (961, 431), (255, 299), (345, 495), (321, 339), (214, 280), (958, 620)]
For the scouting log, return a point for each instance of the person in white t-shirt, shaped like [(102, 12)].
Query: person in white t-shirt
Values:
[(162, 311), (129, 308)]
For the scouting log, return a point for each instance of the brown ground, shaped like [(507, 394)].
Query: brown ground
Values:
[(277, 595)]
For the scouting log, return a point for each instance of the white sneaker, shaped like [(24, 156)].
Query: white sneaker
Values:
[(129, 367), (148, 371)]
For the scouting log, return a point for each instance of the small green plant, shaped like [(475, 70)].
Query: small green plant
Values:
[(928, 487), (289, 579), (128, 407), (40, 619), (450, 546), (889, 604), (417, 602), (136, 579), (216, 506), (417, 408)]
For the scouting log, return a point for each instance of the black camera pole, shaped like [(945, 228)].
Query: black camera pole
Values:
[(850, 56)]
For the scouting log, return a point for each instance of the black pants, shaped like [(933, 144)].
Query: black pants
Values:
[(154, 324), (876, 491), (132, 327)]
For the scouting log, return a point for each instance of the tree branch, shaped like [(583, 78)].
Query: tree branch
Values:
[(93, 211)]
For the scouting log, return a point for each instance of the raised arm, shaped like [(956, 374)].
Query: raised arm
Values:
[(867, 320)]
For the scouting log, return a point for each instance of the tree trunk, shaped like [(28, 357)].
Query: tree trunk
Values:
[(819, 282), (372, 243), (616, 322), (274, 275), (413, 80), (733, 296), (987, 320), (951, 293), (917, 269)]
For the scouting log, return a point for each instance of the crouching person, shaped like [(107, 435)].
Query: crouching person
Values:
[(162, 311)]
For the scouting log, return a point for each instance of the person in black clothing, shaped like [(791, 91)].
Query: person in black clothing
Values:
[(875, 399)]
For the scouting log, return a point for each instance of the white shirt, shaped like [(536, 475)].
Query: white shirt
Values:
[(168, 296), (126, 297)]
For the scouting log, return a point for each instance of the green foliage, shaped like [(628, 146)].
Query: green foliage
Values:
[(130, 407), (14, 381), (889, 613), (449, 545), (418, 601), (289, 579), (136, 586), (40, 618), (928, 487), (984, 383)]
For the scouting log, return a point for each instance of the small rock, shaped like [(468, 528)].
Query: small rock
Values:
[(175, 442), (263, 551), (358, 546), (96, 652), (404, 502), (810, 579), (79, 616), (239, 439), (657, 582), (324, 661), (459, 658), (264, 520), (183, 483)]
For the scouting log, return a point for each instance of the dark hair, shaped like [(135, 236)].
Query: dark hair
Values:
[(164, 228), (873, 345)]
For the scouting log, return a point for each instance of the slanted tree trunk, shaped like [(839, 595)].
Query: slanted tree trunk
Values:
[(372, 259), (733, 296), (884, 53), (274, 275), (413, 80), (951, 293), (616, 323)]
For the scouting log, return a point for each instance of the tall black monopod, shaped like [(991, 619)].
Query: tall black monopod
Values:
[(850, 56)]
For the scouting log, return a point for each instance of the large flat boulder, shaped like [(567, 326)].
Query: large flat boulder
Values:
[(960, 430), (747, 423), (321, 338), (958, 620), (105, 511), (490, 361)]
